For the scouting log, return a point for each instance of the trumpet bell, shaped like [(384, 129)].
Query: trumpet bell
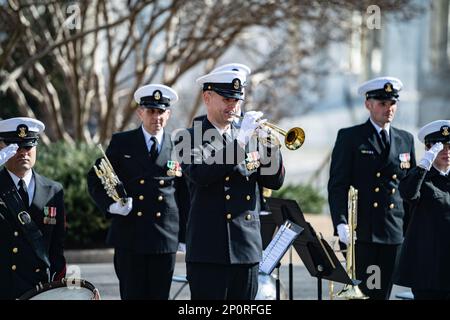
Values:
[(350, 292), (294, 138)]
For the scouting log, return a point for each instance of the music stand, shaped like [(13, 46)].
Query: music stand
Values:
[(315, 252), (269, 224)]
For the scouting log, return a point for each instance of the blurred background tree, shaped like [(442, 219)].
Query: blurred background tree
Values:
[(309, 198), (75, 65)]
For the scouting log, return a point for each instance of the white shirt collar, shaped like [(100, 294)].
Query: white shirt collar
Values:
[(378, 128), (442, 173), (159, 136), (221, 131), (27, 178)]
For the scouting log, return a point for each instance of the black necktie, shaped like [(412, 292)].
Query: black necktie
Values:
[(153, 149), (23, 192), (226, 138), (384, 139)]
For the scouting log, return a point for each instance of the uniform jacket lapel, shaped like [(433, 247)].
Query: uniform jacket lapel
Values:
[(139, 147), (165, 152), (41, 193), (396, 142), (372, 136)]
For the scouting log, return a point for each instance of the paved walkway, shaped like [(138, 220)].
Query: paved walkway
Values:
[(96, 266)]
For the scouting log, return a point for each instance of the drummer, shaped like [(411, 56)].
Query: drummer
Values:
[(32, 216)]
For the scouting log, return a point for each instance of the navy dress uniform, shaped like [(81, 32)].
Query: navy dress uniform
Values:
[(32, 215), (374, 165), (425, 256), (223, 240), (145, 237)]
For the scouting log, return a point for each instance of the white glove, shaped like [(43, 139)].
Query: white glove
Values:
[(343, 233), (123, 210), (182, 247), (430, 155), (263, 133), (8, 152), (248, 126)]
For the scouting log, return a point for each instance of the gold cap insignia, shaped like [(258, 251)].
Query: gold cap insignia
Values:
[(444, 131), (236, 84), (157, 95), (388, 87), (22, 131)]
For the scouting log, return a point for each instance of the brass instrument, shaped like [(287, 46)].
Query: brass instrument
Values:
[(293, 138), (351, 291), (113, 186)]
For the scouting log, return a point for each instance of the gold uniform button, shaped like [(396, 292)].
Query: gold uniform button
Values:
[(160, 198), (393, 190), (375, 204), (37, 270), (141, 197), (161, 182), (139, 214), (377, 189), (15, 250), (13, 267), (394, 177), (227, 197), (142, 181), (378, 174), (248, 217), (16, 234), (391, 206), (158, 214), (248, 197), (229, 216), (227, 178)]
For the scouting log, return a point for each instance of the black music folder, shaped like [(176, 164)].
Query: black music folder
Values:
[(280, 243), (315, 252)]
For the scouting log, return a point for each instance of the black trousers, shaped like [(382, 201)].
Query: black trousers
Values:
[(208, 281), (430, 294), (384, 256), (144, 276)]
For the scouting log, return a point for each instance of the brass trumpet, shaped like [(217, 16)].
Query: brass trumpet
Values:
[(293, 138), (113, 186), (351, 291)]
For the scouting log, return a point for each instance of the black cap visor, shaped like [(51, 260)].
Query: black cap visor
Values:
[(383, 95), (30, 140)]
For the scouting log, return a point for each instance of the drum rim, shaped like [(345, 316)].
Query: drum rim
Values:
[(41, 288)]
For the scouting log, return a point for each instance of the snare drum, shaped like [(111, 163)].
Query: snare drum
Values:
[(65, 289)]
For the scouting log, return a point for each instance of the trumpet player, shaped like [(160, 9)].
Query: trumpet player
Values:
[(223, 240), (373, 157), (146, 228)]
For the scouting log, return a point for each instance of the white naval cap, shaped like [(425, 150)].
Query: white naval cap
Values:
[(156, 96), (382, 88), (23, 131), (233, 67), (228, 84), (436, 131)]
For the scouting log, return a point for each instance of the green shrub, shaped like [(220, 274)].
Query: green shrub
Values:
[(86, 226), (309, 198)]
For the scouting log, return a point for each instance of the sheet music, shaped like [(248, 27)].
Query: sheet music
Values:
[(278, 246)]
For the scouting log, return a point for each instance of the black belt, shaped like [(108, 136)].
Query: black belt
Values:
[(21, 217)]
